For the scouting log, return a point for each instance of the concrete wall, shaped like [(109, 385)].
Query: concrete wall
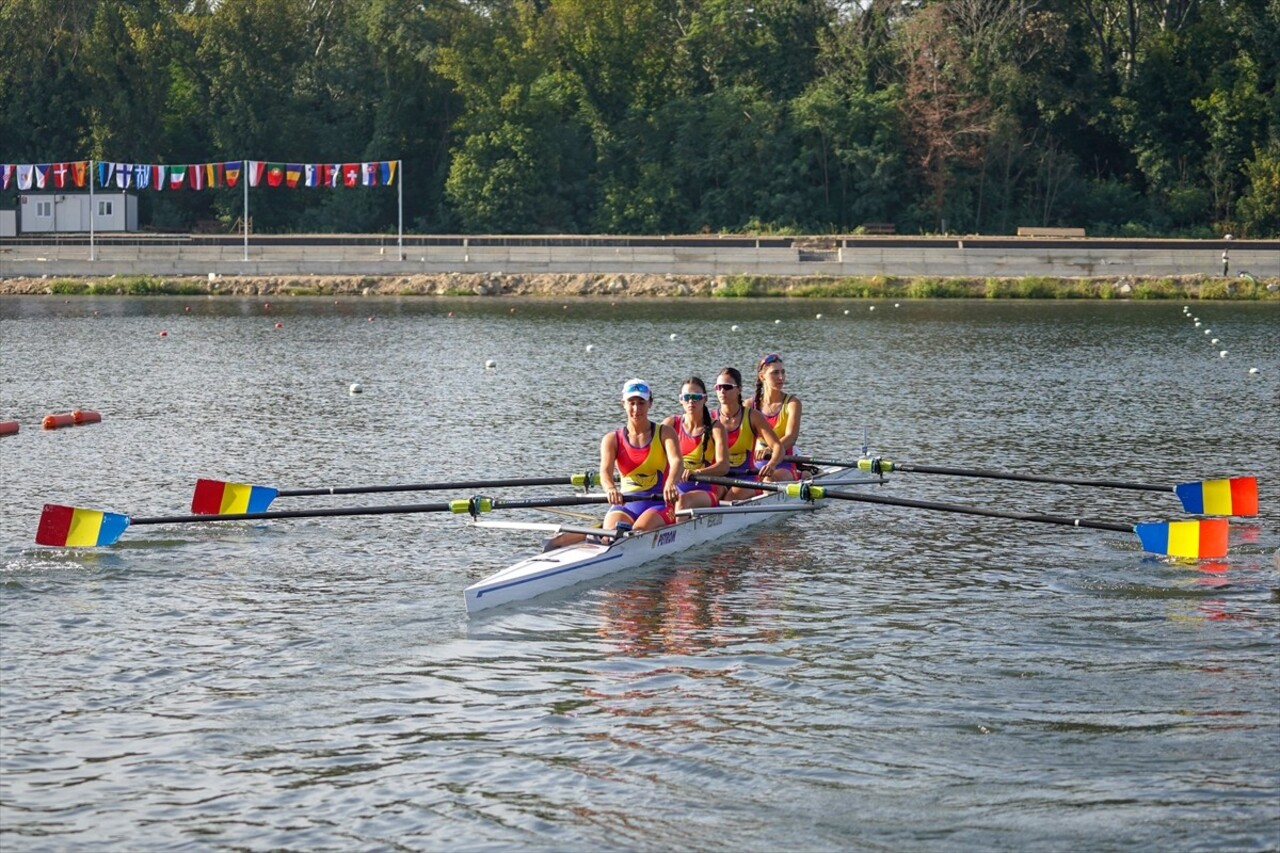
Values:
[(977, 258)]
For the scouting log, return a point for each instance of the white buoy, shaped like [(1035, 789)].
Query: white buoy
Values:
[(1254, 370), (817, 316), (871, 307), (1214, 341), (734, 328), (490, 364), (845, 311), (673, 336), (1197, 324), (776, 322), (356, 388), (1222, 354), (590, 347), (1197, 319), (897, 305), (1208, 331)]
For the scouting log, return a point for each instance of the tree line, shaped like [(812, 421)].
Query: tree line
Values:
[(1126, 117)]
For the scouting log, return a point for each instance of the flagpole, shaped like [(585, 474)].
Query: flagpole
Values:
[(400, 208), (244, 176), (91, 171)]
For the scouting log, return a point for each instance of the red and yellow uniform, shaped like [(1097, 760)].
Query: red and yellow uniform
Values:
[(741, 441)]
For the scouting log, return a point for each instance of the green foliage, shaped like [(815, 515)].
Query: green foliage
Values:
[(743, 286), (1161, 289), (939, 288), (69, 287), (652, 117), (142, 286)]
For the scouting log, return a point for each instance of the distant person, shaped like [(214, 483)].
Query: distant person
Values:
[(743, 428), (703, 446), (780, 409)]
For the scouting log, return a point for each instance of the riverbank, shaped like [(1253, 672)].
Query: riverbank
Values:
[(614, 285)]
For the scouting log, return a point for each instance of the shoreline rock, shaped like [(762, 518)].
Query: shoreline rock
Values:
[(614, 285)]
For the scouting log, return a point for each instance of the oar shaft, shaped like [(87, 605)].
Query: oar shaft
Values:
[(888, 466), (443, 506), (973, 510), (427, 487), (885, 500)]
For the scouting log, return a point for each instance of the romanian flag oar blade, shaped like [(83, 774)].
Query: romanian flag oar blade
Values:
[(215, 497), (1192, 539), (1234, 496), (76, 527), (218, 497), (68, 526)]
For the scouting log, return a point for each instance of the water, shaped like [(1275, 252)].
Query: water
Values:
[(864, 678)]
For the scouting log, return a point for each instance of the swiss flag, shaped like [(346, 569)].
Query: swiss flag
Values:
[(351, 174)]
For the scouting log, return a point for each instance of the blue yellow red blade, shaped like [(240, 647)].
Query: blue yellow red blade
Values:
[(73, 527), (215, 497), (1234, 496), (1195, 540)]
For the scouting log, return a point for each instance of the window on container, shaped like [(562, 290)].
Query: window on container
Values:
[(104, 208), (44, 208)]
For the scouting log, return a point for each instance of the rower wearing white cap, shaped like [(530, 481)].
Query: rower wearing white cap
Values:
[(647, 455)]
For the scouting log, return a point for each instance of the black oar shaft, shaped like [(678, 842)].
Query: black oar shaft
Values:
[(992, 475), (863, 497), (443, 506), (427, 487), (973, 510)]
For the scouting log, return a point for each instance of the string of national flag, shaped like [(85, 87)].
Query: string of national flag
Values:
[(77, 174)]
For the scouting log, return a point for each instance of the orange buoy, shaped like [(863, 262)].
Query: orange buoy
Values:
[(8, 427), (58, 421), (86, 416)]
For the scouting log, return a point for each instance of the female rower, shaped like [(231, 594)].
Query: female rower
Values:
[(743, 427), (703, 445), (780, 409), (647, 456)]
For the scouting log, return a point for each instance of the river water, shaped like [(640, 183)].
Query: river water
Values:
[(863, 678)]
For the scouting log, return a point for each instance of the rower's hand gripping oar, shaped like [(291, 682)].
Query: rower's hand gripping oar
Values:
[(218, 497), (1226, 496), (67, 526), (1201, 539)]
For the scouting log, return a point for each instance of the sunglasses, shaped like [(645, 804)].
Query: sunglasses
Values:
[(725, 386), (692, 398), (770, 359)]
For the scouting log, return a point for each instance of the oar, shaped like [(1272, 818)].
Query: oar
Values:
[(68, 526), (218, 497), (1194, 539), (1229, 496)]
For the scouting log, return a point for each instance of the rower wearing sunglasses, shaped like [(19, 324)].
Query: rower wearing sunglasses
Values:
[(780, 409), (647, 456), (703, 446), (744, 427)]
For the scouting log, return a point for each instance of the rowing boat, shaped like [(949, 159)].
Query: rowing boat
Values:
[(586, 561)]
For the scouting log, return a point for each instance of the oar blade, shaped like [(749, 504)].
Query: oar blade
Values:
[(74, 527), (1194, 540), (1234, 496), (215, 497)]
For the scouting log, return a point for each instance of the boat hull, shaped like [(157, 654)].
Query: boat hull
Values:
[(583, 562)]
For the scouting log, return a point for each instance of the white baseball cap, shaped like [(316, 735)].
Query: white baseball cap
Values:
[(636, 388)]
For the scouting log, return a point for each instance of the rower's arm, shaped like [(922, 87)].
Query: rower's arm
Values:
[(789, 437)]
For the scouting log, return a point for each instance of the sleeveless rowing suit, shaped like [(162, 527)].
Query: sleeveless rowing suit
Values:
[(643, 470), (741, 440), (778, 420), (695, 457)]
